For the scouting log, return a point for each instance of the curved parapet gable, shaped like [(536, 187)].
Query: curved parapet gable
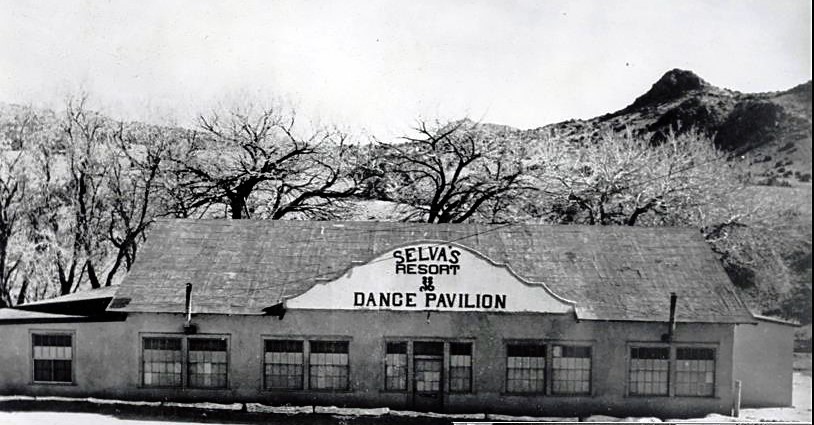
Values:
[(432, 276)]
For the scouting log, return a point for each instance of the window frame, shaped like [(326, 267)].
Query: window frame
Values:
[(715, 364), (471, 389), (550, 367), (305, 355), (345, 340), (673, 363), (142, 338), (184, 359), (548, 387), (62, 332), (546, 378), (408, 350), (186, 363), (629, 363), (306, 364)]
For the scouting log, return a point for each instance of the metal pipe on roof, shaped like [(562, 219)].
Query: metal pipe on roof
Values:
[(189, 303), (673, 301), (668, 337), (189, 328)]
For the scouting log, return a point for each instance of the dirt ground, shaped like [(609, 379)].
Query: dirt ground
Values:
[(801, 398), (39, 413)]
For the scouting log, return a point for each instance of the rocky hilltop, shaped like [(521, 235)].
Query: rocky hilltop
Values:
[(773, 130)]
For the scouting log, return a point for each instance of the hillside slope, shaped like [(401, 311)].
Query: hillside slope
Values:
[(772, 129)]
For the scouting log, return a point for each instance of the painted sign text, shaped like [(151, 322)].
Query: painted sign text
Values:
[(430, 300)]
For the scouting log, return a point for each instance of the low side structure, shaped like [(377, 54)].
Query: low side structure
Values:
[(520, 319), (764, 357)]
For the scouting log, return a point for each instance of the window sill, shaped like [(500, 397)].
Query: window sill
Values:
[(659, 396), (53, 383), (575, 395), (507, 394), (153, 387), (207, 388), (698, 397), (157, 387), (563, 396), (308, 391)]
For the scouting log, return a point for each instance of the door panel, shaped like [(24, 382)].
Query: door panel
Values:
[(428, 383)]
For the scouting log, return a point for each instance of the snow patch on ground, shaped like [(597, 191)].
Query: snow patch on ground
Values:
[(333, 410), (16, 398), (123, 402), (507, 418), (286, 410), (801, 412), (207, 406)]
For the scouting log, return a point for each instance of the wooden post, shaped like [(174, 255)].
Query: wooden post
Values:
[(736, 403)]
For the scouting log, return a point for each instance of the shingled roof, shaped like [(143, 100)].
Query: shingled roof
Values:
[(613, 273)]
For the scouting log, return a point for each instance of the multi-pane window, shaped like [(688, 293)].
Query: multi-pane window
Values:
[(649, 370), (525, 371), (207, 362), (395, 361), (695, 372), (283, 364), (460, 367), (571, 369), (162, 359), (328, 365), (53, 354)]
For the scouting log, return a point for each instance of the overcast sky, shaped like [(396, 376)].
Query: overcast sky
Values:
[(380, 65)]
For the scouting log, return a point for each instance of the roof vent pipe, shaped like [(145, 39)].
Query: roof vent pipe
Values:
[(189, 327), (668, 337)]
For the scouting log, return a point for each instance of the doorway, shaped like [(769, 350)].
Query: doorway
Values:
[(428, 375)]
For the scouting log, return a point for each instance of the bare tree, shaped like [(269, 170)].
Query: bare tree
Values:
[(255, 164), (134, 189), (624, 179), (456, 172), (685, 180), (69, 201), (88, 137), (13, 182), (23, 130)]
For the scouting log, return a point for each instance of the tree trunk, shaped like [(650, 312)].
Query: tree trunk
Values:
[(237, 204), (117, 264), (23, 291), (94, 280), (66, 281)]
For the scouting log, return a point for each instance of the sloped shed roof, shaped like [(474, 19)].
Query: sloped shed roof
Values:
[(613, 273), (91, 294)]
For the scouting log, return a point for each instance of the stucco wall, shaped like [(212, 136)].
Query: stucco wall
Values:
[(763, 362), (107, 359)]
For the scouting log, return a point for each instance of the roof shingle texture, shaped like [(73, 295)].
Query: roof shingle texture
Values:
[(612, 273)]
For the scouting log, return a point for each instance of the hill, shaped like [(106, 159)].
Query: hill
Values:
[(773, 130)]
